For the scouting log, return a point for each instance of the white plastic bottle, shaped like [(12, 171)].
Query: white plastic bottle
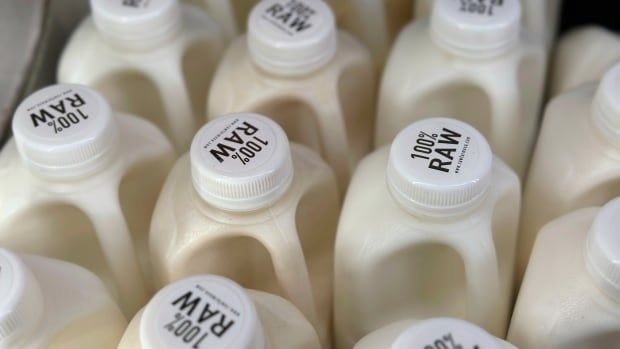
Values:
[(246, 205), (296, 68), (576, 162), (209, 311), (79, 183), (153, 58), (570, 296), (473, 66), (428, 229), (437, 333), (50, 304), (540, 17), (582, 56)]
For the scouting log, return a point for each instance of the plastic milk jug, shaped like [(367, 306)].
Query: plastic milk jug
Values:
[(540, 17), (437, 333), (473, 66), (247, 205), (79, 182), (576, 162), (428, 229), (153, 58), (209, 311), (51, 304), (316, 82), (583, 55), (570, 296)]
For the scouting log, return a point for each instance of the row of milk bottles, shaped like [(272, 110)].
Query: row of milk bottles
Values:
[(80, 183)]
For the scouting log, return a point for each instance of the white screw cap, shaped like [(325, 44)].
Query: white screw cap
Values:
[(136, 20), (21, 300), (291, 37), (241, 162), (450, 332), (602, 250), (439, 167), (64, 131), (606, 103), (476, 29), (206, 311)]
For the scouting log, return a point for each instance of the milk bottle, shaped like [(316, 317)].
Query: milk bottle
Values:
[(209, 311), (433, 221), (51, 304), (583, 55), (295, 67), (79, 183), (438, 333), (472, 65), (153, 58), (576, 162), (570, 296), (246, 205), (230, 15), (540, 17)]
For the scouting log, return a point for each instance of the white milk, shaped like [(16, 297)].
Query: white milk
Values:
[(209, 311), (153, 58), (428, 229), (246, 205), (540, 17), (50, 304), (230, 15), (577, 158), (315, 82), (475, 67), (438, 333), (79, 183), (583, 55), (570, 296)]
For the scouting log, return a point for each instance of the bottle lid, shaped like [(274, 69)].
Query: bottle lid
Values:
[(133, 21), (445, 333), (21, 300), (439, 167), (65, 130), (291, 37), (206, 311), (606, 104), (476, 29), (602, 249), (241, 162)]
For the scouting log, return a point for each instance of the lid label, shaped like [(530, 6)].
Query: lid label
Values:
[(447, 341), (481, 7), (291, 17), (136, 3), (441, 150), (60, 113)]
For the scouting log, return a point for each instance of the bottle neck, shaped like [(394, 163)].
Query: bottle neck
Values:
[(472, 53), (143, 41)]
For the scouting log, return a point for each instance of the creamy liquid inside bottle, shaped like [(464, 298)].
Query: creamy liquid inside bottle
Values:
[(247, 205), (296, 68), (583, 56), (576, 160), (433, 221), (209, 311), (79, 182), (47, 303), (437, 333), (570, 296), (476, 67), (153, 58)]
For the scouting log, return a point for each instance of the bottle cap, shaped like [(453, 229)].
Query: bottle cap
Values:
[(476, 28), (602, 250), (133, 21), (21, 300), (206, 311), (291, 37), (445, 333), (606, 103), (439, 167), (64, 131), (241, 162)]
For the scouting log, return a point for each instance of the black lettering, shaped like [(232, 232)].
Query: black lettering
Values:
[(249, 129), (300, 24), (436, 164), (76, 101), (274, 9), (234, 138), (42, 117), (220, 328), (284, 17), (447, 153), (60, 107), (207, 313), (221, 151), (187, 303), (450, 137)]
